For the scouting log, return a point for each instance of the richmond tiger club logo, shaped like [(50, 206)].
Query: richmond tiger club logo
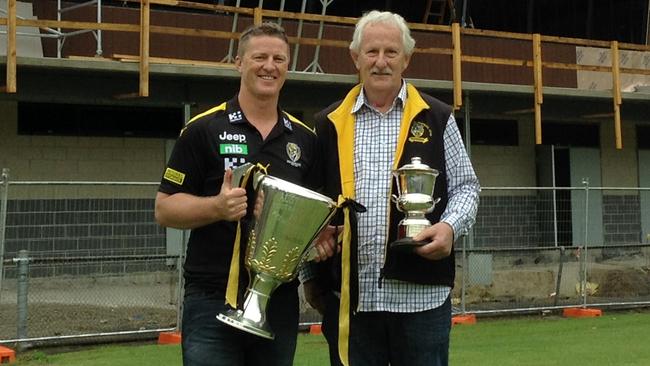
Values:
[(293, 152), (420, 132)]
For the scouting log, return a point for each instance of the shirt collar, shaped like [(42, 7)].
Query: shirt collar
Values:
[(236, 116), (362, 100)]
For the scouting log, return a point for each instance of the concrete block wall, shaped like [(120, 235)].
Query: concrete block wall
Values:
[(72, 158), (619, 167), (507, 166), (84, 228), (622, 219), (507, 221), (58, 220)]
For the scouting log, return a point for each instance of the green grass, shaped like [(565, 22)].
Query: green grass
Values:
[(617, 339)]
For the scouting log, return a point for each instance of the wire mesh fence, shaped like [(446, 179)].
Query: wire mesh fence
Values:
[(97, 302), (85, 259), (534, 279), (536, 248)]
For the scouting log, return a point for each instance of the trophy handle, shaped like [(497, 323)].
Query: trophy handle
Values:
[(257, 178), (342, 203), (312, 253), (240, 173)]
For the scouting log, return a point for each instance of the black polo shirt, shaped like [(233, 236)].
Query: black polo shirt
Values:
[(222, 138)]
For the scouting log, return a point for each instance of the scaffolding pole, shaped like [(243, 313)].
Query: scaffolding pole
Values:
[(60, 42), (314, 66), (4, 195), (296, 47)]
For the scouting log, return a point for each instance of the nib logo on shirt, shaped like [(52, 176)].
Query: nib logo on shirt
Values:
[(240, 149)]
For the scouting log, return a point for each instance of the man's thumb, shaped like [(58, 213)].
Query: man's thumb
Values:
[(227, 180)]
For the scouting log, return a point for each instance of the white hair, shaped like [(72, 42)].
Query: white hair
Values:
[(384, 17)]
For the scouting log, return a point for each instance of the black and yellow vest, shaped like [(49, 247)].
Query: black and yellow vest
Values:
[(421, 134)]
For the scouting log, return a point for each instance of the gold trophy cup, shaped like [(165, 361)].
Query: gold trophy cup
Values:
[(286, 220)]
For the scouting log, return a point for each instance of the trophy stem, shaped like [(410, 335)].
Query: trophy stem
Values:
[(407, 229), (413, 225), (253, 318)]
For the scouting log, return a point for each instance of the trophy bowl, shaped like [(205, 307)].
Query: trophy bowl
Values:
[(415, 202), (415, 184), (286, 220)]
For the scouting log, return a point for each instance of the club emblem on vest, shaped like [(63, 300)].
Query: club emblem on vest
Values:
[(420, 132), (293, 152)]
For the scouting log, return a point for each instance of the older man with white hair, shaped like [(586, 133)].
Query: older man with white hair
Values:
[(394, 306)]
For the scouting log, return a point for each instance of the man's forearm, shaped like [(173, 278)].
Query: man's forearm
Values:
[(185, 211)]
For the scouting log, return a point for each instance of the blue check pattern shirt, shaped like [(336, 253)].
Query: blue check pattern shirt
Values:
[(375, 143)]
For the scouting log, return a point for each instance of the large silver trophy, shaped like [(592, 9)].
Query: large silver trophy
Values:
[(415, 183), (286, 220)]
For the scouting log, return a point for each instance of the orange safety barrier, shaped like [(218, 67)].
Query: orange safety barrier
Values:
[(463, 319), (581, 312), (7, 355), (169, 338), (315, 329)]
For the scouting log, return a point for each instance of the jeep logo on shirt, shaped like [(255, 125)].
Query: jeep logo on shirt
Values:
[(239, 149), (237, 137)]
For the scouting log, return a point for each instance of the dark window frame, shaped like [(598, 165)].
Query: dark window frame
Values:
[(571, 134), (491, 132), (643, 137), (91, 120)]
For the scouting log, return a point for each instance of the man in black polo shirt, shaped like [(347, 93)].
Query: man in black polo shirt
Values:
[(196, 193)]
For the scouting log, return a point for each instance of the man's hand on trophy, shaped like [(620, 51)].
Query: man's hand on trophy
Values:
[(326, 243), (230, 202), (314, 295), (440, 237)]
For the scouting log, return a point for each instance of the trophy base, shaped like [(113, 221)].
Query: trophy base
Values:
[(235, 319), (405, 244)]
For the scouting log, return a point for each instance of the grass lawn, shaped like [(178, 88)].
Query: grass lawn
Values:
[(617, 339)]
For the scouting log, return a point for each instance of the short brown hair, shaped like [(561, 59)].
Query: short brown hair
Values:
[(265, 29)]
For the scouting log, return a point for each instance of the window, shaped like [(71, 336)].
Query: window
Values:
[(570, 134), (98, 120), (491, 131), (643, 137)]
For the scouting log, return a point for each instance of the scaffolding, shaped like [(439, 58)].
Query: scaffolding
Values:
[(52, 33), (537, 63), (97, 33), (58, 33)]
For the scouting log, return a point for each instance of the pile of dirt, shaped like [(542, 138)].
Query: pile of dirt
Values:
[(622, 283)]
